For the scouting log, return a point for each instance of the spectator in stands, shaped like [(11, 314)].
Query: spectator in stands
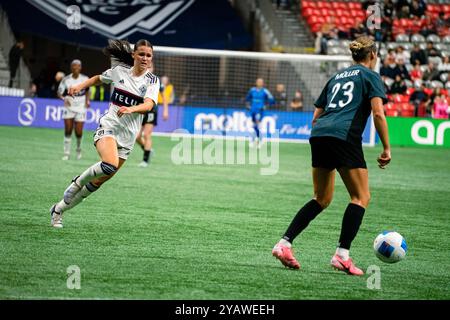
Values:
[(418, 55), (444, 66), (358, 30), (33, 90), (390, 69), (327, 32), (401, 54), (416, 10), (417, 98), (388, 9), (14, 60), (416, 73), (440, 108), (280, 97), (431, 73), (442, 24), (404, 74), (431, 51), (399, 86), (297, 103), (390, 57)]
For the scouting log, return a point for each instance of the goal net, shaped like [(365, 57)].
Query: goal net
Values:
[(213, 85)]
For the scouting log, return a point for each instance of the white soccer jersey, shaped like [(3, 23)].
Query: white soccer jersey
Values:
[(79, 101), (128, 90)]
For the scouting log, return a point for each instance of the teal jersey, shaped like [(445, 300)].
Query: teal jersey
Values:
[(346, 103)]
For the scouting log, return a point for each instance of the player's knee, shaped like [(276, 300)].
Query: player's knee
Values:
[(362, 200), (108, 168), (324, 201)]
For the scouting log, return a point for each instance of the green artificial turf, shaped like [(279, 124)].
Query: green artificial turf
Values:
[(206, 231)]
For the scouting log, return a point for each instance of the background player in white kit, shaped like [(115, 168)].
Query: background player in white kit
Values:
[(135, 92), (75, 107)]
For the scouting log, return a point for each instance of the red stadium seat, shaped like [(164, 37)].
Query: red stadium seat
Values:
[(335, 5), (391, 110), (355, 5), (434, 8), (323, 4), (432, 15), (308, 4), (315, 27), (357, 13), (326, 12), (444, 92), (446, 8), (407, 110), (410, 91), (343, 5), (341, 12), (422, 110), (428, 91)]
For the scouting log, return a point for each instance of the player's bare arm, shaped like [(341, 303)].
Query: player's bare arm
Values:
[(94, 81), (140, 108), (379, 120)]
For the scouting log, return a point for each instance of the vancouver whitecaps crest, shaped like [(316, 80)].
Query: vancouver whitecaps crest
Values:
[(117, 19)]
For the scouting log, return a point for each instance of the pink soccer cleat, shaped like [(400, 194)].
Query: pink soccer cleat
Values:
[(346, 266), (285, 255)]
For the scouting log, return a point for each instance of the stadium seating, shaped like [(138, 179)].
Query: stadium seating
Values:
[(406, 32)]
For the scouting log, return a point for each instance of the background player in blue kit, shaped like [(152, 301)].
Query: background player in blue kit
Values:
[(258, 98), (341, 114)]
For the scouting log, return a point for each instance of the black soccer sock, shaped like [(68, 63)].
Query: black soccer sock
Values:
[(147, 155), (304, 216), (353, 217), (256, 127)]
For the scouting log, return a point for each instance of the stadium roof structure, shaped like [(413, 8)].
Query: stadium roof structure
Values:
[(211, 24)]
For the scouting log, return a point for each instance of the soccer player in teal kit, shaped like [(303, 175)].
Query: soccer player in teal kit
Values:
[(340, 117)]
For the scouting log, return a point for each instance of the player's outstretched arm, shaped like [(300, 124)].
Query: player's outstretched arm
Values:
[(381, 125), (94, 81), (144, 107)]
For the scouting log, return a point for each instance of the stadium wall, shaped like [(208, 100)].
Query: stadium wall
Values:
[(289, 126)]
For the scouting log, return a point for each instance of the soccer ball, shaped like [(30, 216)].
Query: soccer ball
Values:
[(390, 246)]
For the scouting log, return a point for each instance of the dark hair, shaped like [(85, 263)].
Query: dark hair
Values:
[(120, 50), (361, 48)]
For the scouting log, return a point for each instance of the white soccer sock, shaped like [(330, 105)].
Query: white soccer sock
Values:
[(67, 144), (343, 253), (286, 243), (85, 192), (97, 170)]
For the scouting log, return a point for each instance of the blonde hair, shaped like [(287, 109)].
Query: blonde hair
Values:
[(361, 48)]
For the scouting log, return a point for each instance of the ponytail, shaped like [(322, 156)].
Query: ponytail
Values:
[(120, 50)]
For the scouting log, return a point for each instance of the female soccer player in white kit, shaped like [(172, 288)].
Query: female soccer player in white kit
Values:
[(75, 107), (135, 92)]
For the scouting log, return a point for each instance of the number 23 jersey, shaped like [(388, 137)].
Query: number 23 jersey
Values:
[(346, 103)]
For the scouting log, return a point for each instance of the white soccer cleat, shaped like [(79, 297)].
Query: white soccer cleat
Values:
[(65, 157), (71, 190), (78, 154), (143, 164), (56, 218)]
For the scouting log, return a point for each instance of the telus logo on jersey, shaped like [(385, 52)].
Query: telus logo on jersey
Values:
[(117, 18), (124, 98)]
